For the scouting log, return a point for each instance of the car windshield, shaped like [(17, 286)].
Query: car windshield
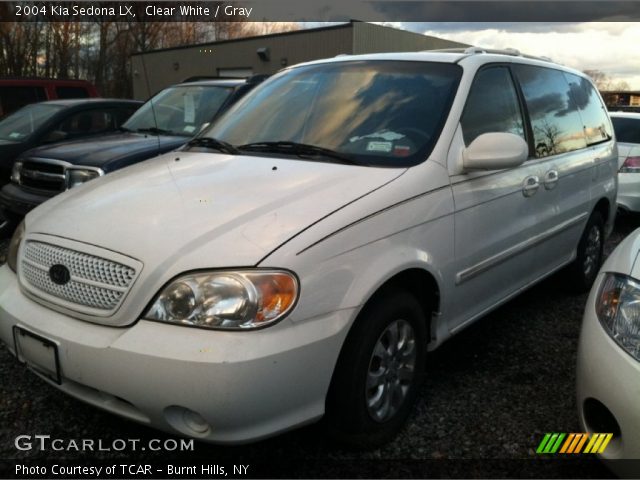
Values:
[(386, 113), (22, 123), (179, 110)]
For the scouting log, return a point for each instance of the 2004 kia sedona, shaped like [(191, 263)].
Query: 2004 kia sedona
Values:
[(301, 258)]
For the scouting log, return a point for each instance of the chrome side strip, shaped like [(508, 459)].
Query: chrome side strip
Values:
[(498, 258)]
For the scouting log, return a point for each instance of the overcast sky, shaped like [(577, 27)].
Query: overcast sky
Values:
[(612, 47)]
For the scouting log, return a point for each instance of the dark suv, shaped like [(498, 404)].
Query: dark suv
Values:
[(165, 122)]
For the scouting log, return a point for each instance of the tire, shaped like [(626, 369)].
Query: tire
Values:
[(582, 272), (363, 417)]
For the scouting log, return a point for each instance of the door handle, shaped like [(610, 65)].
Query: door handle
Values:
[(551, 179), (530, 186)]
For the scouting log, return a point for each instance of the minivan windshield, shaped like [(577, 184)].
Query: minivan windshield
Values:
[(180, 110), (380, 112), (19, 125)]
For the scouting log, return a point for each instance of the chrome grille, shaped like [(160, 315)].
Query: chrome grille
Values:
[(95, 282), (43, 176)]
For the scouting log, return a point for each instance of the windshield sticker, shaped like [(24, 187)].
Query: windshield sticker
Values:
[(189, 109), (387, 135), (401, 150), (189, 128), (379, 147)]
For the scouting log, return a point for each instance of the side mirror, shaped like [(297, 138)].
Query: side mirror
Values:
[(495, 151), (55, 136)]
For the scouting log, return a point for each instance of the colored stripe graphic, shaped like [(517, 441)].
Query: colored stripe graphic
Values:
[(606, 441), (567, 443), (550, 443), (574, 443)]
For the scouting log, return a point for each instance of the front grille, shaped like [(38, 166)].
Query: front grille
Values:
[(43, 176), (95, 282)]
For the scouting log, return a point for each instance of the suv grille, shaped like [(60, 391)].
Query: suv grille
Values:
[(94, 282), (43, 176)]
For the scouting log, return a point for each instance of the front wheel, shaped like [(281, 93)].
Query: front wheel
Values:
[(581, 274), (379, 372)]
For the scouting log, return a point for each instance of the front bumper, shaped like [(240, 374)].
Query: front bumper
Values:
[(245, 385), (607, 374), (17, 201), (629, 191)]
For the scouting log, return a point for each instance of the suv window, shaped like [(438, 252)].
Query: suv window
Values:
[(627, 129), (12, 98), (90, 121), (492, 105), (71, 92), (557, 126), (594, 115)]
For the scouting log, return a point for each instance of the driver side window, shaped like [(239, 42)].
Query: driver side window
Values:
[(492, 106)]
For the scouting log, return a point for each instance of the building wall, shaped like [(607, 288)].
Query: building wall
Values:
[(286, 49), (153, 71), (372, 38)]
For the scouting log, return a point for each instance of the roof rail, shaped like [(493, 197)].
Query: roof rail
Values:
[(479, 50)]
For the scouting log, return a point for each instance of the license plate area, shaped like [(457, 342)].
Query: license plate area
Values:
[(38, 353)]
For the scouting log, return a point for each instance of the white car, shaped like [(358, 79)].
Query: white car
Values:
[(301, 258), (608, 377), (627, 129)]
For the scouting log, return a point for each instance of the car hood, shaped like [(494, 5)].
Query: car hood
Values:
[(98, 151), (188, 210)]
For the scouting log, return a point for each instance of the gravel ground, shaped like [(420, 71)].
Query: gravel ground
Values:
[(490, 395)]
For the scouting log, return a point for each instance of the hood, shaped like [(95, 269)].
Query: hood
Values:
[(101, 150), (204, 210)]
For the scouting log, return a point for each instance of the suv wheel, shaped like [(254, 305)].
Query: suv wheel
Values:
[(584, 269), (379, 372)]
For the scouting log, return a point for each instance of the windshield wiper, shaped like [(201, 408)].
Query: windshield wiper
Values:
[(155, 131), (302, 150), (215, 144)]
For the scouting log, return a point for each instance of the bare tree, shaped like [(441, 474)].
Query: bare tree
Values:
[(605, 83)]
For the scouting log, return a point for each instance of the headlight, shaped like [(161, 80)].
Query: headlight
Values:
[(230, 300), (618, 308), (15, 172), (78, 176), (14, 245)]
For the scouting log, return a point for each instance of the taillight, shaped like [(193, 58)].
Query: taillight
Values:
[(631, 165)]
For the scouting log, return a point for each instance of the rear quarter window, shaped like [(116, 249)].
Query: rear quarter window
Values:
[(627, 129), (555, 120), (597, 127)]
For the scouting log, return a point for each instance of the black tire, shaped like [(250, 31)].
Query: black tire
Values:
[(349, 417), (582, 272)]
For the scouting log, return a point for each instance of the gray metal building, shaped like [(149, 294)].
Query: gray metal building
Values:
[(156, 69)]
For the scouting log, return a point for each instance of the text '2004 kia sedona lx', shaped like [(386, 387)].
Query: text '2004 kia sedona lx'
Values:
[(302, 257)]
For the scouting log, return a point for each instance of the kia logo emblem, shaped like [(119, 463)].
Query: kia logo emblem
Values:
[(59, 274)]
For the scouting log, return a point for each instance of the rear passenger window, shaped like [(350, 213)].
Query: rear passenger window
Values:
[(71, 92), (556, 123), (492, 105), (594, 116), (12, 98), (627, 129)]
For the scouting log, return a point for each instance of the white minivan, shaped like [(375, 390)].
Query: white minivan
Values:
[(300, 258)]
